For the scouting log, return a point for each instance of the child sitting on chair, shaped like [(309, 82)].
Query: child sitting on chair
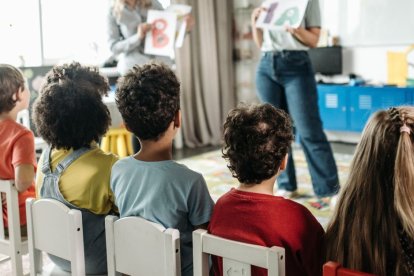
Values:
[(150, 184), (372, 228), (71, 117), (256, 142), (17, 148)]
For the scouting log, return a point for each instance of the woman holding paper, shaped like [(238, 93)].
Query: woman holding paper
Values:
[(127, 29), (285, 79)]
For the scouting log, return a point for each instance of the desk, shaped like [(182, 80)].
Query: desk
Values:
[(348, 108)]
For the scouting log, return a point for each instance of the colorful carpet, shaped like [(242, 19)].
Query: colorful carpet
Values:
[(219, 180)]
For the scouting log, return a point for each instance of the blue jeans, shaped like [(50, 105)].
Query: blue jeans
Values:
[(286, 80)]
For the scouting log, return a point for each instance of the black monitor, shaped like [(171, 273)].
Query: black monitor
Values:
[(326, 60)]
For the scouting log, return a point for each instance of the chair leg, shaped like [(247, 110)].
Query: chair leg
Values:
[(16, 262), (121, 146), (105, 144)]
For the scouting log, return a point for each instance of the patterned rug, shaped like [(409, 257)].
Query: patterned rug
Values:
[(219, 180)]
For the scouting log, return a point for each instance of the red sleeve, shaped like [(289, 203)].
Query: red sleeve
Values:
[(24, 150), (313, 247)]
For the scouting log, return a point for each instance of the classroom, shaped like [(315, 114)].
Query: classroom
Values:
[(207, 137)]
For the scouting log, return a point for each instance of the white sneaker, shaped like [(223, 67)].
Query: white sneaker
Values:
[(287, 194), (332, 203)]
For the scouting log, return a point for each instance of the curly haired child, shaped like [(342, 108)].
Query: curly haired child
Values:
[(256, 142), (150, 184), (71, 117), (17, 147), (372, 228)]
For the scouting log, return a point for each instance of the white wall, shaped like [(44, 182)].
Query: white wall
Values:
[(368, 61)]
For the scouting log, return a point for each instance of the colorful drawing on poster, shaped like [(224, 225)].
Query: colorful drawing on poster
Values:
[(181, 11), (282, 13), (270, 13), (160, 40)]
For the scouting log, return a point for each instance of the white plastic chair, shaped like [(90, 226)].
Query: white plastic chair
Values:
[(237, 257), (136, 247), (13, 246), (54, 228)]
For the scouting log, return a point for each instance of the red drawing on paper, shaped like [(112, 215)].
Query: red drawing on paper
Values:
[(159, 38)]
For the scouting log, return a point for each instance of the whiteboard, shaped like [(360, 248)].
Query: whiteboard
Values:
[(376, 22)]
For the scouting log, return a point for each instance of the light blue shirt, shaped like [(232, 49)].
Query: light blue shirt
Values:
[(164, 192)]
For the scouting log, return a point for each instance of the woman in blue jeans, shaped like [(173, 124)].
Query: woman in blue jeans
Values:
[(285, 78)]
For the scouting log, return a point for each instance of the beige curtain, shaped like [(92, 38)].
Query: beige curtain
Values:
[(205, 68)]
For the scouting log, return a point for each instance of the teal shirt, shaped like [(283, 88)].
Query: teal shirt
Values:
[(164, 192)]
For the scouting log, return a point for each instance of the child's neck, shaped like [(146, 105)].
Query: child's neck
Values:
[(11, 115), (266, 187), (152, 151)]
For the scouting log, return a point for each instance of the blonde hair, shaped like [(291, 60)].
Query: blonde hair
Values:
[(119, 5), (377, 203)]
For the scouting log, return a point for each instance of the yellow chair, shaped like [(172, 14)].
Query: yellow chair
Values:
[(117, 141)]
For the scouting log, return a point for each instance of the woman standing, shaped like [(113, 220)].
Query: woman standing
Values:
[(127, 29), (285, 78)]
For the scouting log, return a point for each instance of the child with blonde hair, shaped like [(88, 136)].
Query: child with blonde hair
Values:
[(372, 229), (17, 150)]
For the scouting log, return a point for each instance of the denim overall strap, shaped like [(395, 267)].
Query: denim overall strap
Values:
[(50, 186), (46, 161), (93, 225)]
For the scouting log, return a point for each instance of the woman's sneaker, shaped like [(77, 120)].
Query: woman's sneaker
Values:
[(287, 194), (324, 203)]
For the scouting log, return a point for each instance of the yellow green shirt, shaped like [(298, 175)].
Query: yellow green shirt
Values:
[(85, 183)]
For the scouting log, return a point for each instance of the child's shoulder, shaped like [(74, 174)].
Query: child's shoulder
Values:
[(183, 169), (13, 130), (13, 125), (167, 166)]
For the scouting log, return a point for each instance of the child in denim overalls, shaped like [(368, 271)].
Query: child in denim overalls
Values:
[(71, 117)]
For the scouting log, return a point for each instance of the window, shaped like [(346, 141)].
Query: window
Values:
[(20, 32), (45, 32)]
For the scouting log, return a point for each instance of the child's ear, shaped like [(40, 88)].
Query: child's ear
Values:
[(15, 96), (177, 119), (283, 164)]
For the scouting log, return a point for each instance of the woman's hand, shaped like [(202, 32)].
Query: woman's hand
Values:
[(257, 33), (189, 20), (143, 29), (309, 36), (256, 13)]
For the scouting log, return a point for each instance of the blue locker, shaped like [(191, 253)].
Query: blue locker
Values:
[(366, 100), (333, 105)]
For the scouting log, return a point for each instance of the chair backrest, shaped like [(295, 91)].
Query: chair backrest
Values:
[(13, 246), (335, 269), (56, 229), (136, 246), (237, 257)]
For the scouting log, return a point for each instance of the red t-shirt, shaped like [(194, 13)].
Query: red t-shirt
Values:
[(268, 220), (16, 148)]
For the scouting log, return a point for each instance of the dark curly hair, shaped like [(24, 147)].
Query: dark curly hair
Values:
[(256, 139), (148, 98), (11, 80), (69, 112)]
